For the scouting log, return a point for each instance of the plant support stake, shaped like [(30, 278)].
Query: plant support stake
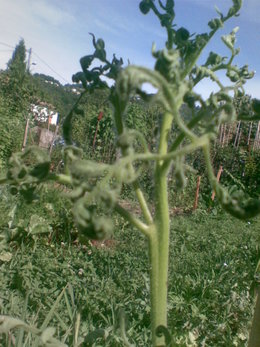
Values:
[(218, 178), (195, 206), (25, 134)]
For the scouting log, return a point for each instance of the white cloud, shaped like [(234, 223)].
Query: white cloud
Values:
[(105, 26), (28, 12), (57, 30), (42, 25), (50, 14), (249, 11)]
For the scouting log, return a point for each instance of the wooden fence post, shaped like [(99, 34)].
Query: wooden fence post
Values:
[(228, 134), (239, 136), (53, 139), (25, 134), (216, 139), (249, 133), (218, 178), (197, 194), (95, 136), (256, 141), (221, 134), (224, 135), (237, 133)]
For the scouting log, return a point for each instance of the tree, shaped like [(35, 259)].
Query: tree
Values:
[(14, 103), (16, 84), (16, 67)]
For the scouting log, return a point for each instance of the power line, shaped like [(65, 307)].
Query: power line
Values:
[(44, 62), (13, 47), (6, 44)]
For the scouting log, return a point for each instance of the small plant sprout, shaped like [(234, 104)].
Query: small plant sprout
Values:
[(96, 187)]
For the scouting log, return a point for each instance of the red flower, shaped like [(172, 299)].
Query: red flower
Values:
[(100, 116)]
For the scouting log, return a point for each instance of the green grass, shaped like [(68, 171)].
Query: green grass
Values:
[(212, 264)]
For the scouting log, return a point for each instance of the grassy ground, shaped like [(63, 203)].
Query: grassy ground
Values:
[(212, 264)]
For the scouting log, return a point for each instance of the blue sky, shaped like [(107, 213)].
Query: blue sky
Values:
[(57, 31)]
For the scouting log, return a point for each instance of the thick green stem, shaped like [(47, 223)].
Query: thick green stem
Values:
[(159, 244), (254, 338), (159, 255), (163, 231), (60, 178), (164, 132)]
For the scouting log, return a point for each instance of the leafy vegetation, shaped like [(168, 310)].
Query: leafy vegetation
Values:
[(210, 283), (13, 104)]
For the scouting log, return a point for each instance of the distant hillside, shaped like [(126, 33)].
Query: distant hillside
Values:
[(48, 89)]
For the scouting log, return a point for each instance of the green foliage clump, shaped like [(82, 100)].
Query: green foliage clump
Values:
[(46, 218), (16, 67), (210, 285), (11, 123), (14, 103)]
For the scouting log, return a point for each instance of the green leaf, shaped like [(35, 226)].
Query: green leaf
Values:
[(5, 256), (95, 335), (256, 106), (219, 12), (100, 45), (235, 8), (38, 225), (9, 323), (85, 62), (215, 24), (232, 75), (182, 35), (145, 6), (47, 334), (41, 170), (51, 312), (214, 59), (229, 40)]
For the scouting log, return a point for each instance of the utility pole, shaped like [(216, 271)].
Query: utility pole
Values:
[(29, 60)]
